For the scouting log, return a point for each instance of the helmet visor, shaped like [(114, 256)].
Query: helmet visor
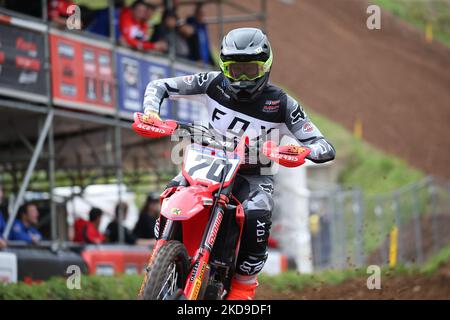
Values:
[(244, 70)]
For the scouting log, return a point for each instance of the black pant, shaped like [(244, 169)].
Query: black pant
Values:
[(255, 194)]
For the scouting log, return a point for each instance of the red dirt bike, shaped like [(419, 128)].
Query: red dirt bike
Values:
[(201, 223)]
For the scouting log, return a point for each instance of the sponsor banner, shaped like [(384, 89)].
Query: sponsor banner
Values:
[(135, 71), (22, 71), (82, 74), (188, 110)]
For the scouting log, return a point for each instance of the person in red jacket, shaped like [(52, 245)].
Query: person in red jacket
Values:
[(134, 29), (87, 231), (57, 11)]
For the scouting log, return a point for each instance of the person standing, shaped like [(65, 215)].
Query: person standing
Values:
[(199, 42), (3, 243), (145, 227), (112, 231)]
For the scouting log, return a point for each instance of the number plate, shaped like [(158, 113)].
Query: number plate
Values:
[(202, 163)]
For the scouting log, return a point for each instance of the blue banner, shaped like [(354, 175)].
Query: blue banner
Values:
[(135, 71), (133, 75), (187, 110)]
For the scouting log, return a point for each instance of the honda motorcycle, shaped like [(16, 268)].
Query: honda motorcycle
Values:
[(201, 222)]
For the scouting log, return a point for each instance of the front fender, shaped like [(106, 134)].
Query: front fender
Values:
[(186, 203)]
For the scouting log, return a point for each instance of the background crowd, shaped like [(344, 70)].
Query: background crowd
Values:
[(145, 25), (25, 227)]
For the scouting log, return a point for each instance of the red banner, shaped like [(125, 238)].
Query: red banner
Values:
[(81, 74)]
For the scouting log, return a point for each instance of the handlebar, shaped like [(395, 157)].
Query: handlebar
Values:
[(288, 156)]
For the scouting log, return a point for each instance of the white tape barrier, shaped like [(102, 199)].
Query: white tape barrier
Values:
[(8, 267), (276, 263)]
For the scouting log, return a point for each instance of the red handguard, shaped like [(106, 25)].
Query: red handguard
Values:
[(288, 156), (152, 127)]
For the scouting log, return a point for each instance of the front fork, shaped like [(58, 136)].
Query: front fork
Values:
[(198, 275)]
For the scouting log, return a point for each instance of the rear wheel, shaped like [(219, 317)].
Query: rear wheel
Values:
[(168, 272)]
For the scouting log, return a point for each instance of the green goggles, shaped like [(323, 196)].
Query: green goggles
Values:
[(245, 70)]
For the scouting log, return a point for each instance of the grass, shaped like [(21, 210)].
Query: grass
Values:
[(296, 281), (419, 13), (365, 166), (436, 261), (125, 287)]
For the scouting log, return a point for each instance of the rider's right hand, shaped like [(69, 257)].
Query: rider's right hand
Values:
[(148, 115)]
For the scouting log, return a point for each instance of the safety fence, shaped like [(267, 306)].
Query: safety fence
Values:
[(403, 227)]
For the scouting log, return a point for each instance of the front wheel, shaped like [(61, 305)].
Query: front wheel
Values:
[(168, 272)]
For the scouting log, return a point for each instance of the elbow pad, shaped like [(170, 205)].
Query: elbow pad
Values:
[(321, 151)]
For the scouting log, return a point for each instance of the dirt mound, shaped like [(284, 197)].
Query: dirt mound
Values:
[(391, 79), (394, 287)]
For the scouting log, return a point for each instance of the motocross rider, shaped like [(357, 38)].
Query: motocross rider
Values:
[(241, 99)]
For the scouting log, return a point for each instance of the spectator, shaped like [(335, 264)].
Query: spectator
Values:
[(2, 221), (170, 31), (112, 231), (57, 11), (24, 228), (199, 42), (3, 243), (100, 24), (145, 227), (134, 30), (87, 231)]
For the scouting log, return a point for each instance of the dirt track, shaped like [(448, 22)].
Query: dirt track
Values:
[(404, 287), (391, 79)]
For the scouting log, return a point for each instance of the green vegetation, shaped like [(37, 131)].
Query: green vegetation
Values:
[(295, 281), (436, 261), (365, 166), (422, 12), (126, 287), (92, 288)]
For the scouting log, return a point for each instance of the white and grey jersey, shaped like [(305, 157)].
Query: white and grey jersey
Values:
[(273, 112)]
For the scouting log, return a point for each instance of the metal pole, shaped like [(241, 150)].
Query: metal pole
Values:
[(233, 19), (220, 21), (319, 243), (396, 209), (27, 177), (341, 230), (51, 140), (119, 173), (264, 16), (447, 186), (383, 231), (51, 168), (417, 225), (358, 205), (432, 191), (332, 214), (117, 129)]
